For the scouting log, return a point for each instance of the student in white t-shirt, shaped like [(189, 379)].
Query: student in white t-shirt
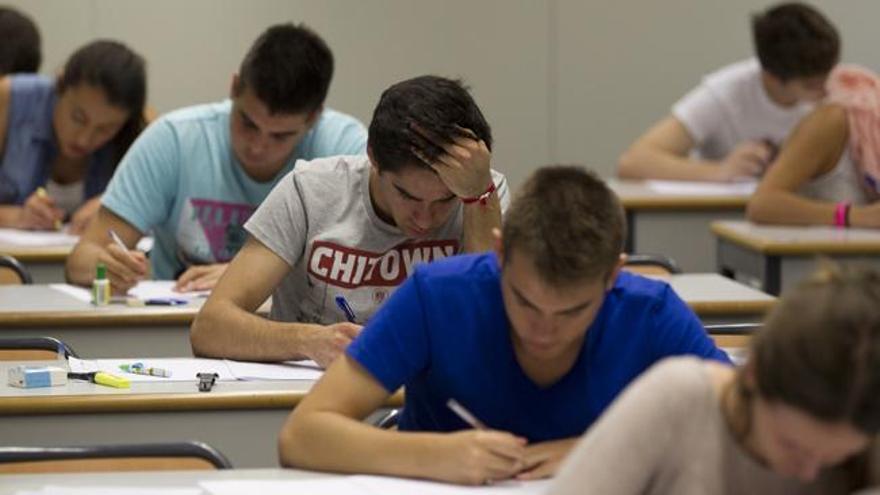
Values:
[(730, 126), (355, 226)]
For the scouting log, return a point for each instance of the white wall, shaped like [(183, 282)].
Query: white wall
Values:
[(559, 80)]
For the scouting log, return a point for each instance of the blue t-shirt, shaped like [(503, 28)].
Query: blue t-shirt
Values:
[(30, 147), (445, 334), (181, 180)]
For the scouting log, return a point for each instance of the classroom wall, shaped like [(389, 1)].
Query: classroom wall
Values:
[(559, 80)]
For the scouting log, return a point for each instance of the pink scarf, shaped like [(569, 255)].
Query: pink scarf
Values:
[(857, 89)]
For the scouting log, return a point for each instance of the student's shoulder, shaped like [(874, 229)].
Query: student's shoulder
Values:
[(334, 119), (29, 90), (685, 380), (737, 72), (194, 115), (477, 267), (338, 168), (638, 290)]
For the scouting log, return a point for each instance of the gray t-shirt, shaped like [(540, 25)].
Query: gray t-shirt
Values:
[(321, 221), (666, 434)]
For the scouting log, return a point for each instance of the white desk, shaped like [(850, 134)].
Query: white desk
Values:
[(717, 299), (116, 330), (241, 419), (677, 224), (777, 257)]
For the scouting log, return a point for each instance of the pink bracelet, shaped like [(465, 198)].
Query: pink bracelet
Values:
[(841, 214)]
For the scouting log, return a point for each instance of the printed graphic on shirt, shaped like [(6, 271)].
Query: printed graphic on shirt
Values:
[(211, 231), (345, 267)]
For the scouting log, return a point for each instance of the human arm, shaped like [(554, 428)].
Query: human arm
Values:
[(325, 432), (37, 213), (814, 149), (662, 153), (464, 166), (84, 214), (125, 267), (228, 327)]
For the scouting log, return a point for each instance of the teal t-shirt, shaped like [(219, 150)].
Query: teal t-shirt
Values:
[(181, 181)]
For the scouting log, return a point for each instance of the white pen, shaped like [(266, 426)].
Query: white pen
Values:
[(118, 241), (465, 415)]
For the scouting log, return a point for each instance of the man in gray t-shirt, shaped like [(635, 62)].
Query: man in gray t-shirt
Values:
[(354, 226)]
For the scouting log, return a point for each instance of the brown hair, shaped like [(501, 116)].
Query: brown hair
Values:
[(568, 222), (794, 40), (819, 350)]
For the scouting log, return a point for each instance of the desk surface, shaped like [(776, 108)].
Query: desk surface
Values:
[(49, 254), (84, 397), (796, 240), (712, 294), (639, 195), (43, 306)]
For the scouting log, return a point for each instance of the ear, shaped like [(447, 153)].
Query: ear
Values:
[(612, 277)]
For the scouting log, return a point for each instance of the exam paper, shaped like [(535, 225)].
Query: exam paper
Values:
[(370, 485), (696, 188), (145, 289), (290, 370), (182, 369), (105, 490), (37, 238)]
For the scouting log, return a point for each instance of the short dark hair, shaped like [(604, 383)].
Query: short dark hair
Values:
[(569, 222), (121, 74), (20, 50), (794, 40), (289, 68), (438, 106)]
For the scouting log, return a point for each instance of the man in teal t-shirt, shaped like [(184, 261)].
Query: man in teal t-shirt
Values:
[(194, 177)]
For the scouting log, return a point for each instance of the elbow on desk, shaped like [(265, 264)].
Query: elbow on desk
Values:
[(629, 164), (200, 338), (760, 209)]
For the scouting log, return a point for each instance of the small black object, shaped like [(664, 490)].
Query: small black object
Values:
[(206, 381)]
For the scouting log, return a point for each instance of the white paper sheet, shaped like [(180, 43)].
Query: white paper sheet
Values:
[(162, 289), (107, 490), (37, 238), (693, 188), (182, 369), (146, 289), (79, 293), (370, 485), (290, 370)]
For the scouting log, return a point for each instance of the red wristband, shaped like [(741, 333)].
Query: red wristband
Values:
[(482, 198), (841, 214)]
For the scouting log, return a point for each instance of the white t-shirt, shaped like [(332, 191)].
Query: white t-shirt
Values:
[(731, 106), (321, 221)]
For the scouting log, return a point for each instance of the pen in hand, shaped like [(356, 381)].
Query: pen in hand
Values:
[(345, 308), (465, 415), (118, 241)]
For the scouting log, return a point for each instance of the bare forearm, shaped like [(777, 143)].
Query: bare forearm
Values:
[(79, 268), (478, 222), (330, 441), (660, 164), (9, 215), (223, 330), (784, 207)]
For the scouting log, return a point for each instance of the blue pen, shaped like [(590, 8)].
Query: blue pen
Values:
[(165, 301), (343, 305)]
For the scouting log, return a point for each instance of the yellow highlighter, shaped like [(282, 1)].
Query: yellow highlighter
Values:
[(101, 378), (41, 192)]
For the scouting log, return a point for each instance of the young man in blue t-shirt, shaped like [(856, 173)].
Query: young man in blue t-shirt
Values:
[(194, 177), (534, 340)]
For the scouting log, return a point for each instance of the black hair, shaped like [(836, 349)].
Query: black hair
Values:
[(121, 74), (289, 68), (794, 40), (432, 105), (20, 49)]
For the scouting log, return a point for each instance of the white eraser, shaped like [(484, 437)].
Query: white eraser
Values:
[(37, 376)]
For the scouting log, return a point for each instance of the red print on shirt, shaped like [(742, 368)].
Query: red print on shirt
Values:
[(347, 267)]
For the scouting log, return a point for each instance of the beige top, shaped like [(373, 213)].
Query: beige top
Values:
[(666, 434)]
